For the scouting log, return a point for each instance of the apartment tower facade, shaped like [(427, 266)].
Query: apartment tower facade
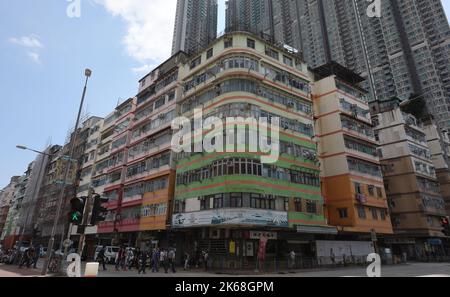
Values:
[(413, 191), (195, 25), (404, 53), (352, 181), (225, 201)]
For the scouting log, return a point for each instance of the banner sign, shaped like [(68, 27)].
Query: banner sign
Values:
[(229, 216)]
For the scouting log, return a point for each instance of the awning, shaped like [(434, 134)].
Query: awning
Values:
[(317, 230)]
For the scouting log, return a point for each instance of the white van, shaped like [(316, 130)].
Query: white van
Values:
[(110, 253)]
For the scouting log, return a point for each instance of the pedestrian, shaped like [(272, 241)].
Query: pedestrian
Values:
[(123, 259), (137, 255), (162, 258), (129, 259), (292, 259), (155, 259), (186, 261), (142, 262), (119, 257), (37, 252), (205, 259), (171, 259), (101, 258), (165, 261)]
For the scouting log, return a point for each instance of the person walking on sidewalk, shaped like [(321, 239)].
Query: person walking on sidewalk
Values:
[(165, 260), (186, 261), (205, 259), (101, 258), (171, 258), (129, 259), (37, 252), (142, 262), (155, 260), (119, 257)]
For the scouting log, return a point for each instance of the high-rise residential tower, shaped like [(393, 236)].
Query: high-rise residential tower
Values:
[(404, 53), (195, 25)]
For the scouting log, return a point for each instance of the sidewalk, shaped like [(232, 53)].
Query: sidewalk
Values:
[(15, 271)]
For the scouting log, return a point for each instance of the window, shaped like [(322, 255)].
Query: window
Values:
[(298, 205), (379, 192), (160, 102), (361, 212), (311, 206), (235, 200), (197, 61), (286, 204), (272, 53), (209, 53), (204, 203), (358, 188), (218, 201), (371, 190), (228, 42), (343, 214), (383, 214), (374, 214), (250, 43), (171, 96), (288, 61), (255, 201)]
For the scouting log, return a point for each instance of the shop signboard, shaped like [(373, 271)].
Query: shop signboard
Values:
[(221, 217)]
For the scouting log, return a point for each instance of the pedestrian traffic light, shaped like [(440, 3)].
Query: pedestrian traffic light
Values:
[(98, 211), (446, 225), (76, 210)]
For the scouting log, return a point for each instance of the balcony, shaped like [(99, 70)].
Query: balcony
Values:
[(355, 110)]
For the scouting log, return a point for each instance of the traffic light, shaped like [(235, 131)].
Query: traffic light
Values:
[(98, 211), (445, 224), (76, 210)]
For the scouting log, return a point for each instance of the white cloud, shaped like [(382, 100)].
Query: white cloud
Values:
[(31, 44), (31, 41), (149, 29), (34, 57)]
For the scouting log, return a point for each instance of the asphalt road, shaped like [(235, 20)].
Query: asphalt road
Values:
[(405, 270)]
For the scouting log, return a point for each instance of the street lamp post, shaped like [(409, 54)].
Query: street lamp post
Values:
[(51, 242), (35, 193)]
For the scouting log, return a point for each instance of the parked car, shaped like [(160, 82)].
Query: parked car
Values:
[(110, 253)]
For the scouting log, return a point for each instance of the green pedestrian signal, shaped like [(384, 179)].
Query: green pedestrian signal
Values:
[(77, 210)]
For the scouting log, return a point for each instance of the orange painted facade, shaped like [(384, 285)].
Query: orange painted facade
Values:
[(340, 193), (164, 196)]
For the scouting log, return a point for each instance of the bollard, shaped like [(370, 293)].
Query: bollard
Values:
[(91, 269)]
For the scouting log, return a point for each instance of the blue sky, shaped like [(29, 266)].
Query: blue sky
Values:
[(43, 54)]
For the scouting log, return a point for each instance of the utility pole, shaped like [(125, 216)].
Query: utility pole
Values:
[(61, 199)]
